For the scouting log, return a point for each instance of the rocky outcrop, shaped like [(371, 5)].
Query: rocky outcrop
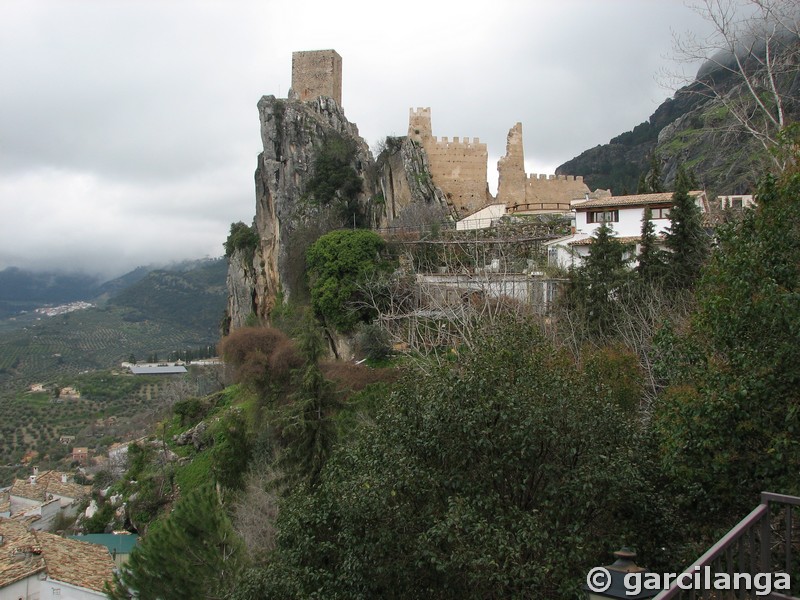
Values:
[(405, 190), (697, 129), (289, 218), (241, 284), (310, 148)]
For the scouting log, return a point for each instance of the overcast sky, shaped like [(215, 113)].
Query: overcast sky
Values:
[(129, 131)]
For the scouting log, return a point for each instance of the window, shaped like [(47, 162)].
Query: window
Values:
[(552, 256), (602, 216), (659, 213)]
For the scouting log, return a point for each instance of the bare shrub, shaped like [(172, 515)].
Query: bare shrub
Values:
[(256, 510), (284, 359), (236, 347), (350, 378)]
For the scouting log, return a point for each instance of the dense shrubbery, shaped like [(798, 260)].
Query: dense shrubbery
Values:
[(241, 237), (338, 263), (506, 469)]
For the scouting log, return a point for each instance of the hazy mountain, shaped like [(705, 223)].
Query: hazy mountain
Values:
[(191, 294)]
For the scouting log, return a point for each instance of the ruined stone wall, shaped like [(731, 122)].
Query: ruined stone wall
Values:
[(457, 166), (552, 193), (512, 180), (317, 73), (533, 193)]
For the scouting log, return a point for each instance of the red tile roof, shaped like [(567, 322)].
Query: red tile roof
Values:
[(24, 553), (632, 200)]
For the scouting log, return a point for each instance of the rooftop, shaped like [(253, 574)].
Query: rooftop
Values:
[(157, 370), (20, 553), (49, 482), (77, 563), (24, 553), (633, 200)]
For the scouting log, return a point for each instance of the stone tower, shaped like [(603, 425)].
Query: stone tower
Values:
[(511, 170), (317, 73), (419, 124)]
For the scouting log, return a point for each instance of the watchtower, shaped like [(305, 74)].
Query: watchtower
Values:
[(317, 73)]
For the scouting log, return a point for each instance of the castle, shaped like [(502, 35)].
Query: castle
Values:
[(458, 166)]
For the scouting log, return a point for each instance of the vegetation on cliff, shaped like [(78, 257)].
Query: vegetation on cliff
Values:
[(516, 462), (723, 122), (338, 263)]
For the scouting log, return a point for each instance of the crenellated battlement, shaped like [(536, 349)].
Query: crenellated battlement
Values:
[(419, 124), (543, 177), (457, 143), (459, 164)]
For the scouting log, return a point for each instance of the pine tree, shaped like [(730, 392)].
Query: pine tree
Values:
[(654, 177), (596, 284), (686, 239), (193, 553), (651, 260)]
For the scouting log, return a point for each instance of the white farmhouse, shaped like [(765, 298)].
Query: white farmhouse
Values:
[(623, 213)]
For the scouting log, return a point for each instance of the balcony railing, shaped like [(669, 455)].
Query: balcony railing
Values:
[(763, 542)]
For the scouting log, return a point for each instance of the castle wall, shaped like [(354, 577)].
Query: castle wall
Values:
[(317, 73), (553, 193), (512, 181), (457, 166), (419, 124), (523, 193)]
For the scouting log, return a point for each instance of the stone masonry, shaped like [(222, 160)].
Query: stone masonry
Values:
[(458, 167), (533, 194), (317, 73)]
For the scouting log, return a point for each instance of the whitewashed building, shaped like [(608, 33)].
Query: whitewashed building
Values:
[(623, 213), (482, 218)]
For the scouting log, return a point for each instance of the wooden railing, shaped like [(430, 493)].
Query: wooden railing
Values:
[(763, 542)]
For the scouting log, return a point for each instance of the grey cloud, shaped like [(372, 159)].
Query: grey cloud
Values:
[(129, 133)]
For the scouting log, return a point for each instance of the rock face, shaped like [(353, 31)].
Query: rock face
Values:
[(303, 141), (697, 129), (405, 188)]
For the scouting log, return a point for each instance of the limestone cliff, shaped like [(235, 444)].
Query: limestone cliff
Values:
[(316, 174), (406, 193)]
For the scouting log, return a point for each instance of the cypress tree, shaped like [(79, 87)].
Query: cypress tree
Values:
[(685, 239), (641, 187), (651, 260), (307, 429), (654, 176)]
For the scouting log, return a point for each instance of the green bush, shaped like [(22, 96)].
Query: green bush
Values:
[(242, 237), (338, 263)]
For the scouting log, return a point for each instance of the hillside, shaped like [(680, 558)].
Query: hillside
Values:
[(153, 312), (191, 296), (167, 310), (696, 127)]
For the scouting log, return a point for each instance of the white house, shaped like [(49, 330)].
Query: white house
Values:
[(45, 495), (35, 564), (623, 213)]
